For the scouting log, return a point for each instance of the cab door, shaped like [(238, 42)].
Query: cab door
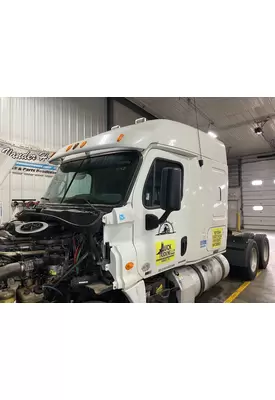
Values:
[(166, 246)]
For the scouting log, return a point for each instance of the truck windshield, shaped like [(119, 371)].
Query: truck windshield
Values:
[(103, 179)]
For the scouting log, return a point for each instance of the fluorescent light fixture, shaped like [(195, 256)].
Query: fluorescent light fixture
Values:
[(258, 208), (257, 183), (212, 134)]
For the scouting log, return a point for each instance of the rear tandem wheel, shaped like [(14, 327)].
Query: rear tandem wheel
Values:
[(250, 270), (242, 254), (264, 251)]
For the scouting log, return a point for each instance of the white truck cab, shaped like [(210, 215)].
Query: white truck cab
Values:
[(173, 211), (159, 190)]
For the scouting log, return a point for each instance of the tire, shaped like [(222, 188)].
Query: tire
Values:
[(251, 261), (264, 250)]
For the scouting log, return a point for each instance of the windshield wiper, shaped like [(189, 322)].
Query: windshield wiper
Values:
[(68, 188), (45, 198), (83, 199)]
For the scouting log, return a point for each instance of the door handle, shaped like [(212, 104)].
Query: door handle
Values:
[(183, 245)]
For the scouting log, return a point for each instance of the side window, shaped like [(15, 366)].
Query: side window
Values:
[(151, 191)]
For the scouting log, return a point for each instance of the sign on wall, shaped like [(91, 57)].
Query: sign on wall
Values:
[(34, 167), (32, 161)]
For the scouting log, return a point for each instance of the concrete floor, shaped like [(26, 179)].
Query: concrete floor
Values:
[(261, 290)]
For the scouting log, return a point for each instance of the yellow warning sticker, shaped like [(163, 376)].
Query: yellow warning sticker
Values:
[(165, 251), (217, 237)]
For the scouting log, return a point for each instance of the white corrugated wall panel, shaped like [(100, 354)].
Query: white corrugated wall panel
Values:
[(47, 124), (50, 123), (5, 198), (263, 195)]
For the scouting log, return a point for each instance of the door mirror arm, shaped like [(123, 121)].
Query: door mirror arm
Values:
[(152, 221), (164, 217)]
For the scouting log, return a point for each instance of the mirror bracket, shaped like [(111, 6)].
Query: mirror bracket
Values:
[(164, 217), (153, 222)]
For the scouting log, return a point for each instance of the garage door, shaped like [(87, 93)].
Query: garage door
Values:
[(258, 189)]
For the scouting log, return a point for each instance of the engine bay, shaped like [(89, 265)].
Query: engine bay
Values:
[(54, 254)]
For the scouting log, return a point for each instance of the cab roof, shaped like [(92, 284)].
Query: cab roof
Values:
[(143, 135)]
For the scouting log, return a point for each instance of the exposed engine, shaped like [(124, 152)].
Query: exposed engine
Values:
[(53, 255)]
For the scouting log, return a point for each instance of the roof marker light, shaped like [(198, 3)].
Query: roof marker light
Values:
[(75, 146), (83, 144), (120, 137), (69, 147)]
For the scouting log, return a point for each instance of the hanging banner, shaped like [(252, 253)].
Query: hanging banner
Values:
[(28, 160)]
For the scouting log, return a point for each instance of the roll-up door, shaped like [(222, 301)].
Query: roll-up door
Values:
[(258, 192)]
